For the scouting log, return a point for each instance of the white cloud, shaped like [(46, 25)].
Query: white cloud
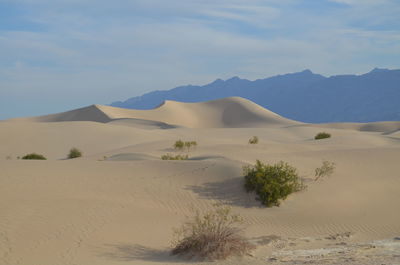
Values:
[(108, 52)]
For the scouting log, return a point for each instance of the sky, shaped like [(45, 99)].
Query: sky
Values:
[(57, 55)]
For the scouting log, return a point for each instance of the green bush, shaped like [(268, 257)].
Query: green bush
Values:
[(214, 235), (272, 183), (34, 156), (322, 135), (325, 170), (174, 157), (188, 145), (180, 145), (253, 140), (74, 153)]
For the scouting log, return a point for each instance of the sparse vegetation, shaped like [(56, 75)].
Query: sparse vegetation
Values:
[(272, 183), (174, 157), (325, 170), (34, 156), (74, 153), (322, 135), (253, 140), (180, 145), (213, 235), (190, 144)]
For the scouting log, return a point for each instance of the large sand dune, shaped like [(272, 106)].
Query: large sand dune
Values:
[(119, 203), (229, 112)]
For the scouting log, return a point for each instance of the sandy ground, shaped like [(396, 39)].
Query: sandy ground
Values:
[(120, 202)]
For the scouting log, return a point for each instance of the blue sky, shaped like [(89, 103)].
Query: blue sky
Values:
[(56, 55)]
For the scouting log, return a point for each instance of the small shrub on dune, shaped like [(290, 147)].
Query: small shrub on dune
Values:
[(253, 140), (74, 153), (322, 135), (325, 170), (34, 156), (214, 235), (179, 145), (272, 183), (190, 144), (174, 157)]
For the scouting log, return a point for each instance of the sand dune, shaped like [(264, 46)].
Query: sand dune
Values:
[(91, 113), (119, 203), (223, 113)]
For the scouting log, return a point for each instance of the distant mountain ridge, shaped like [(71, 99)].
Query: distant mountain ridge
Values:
[(303, 96)]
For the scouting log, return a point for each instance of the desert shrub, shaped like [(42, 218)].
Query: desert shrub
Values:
[(322, 135), (272, 183), (174, 157), (192, 144), (325, 170), (213, 235), (188, 145), (34, 156), (179, 145), (253, 140), (74, 153)]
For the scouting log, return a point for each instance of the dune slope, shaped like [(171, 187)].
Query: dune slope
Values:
[(223, 113)]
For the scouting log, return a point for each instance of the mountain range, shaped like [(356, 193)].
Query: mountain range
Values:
[(302, 96)]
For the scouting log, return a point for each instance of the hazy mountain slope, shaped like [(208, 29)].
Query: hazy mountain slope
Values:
[(302, 96)]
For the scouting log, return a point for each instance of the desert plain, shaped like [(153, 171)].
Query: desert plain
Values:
[(119, 203)]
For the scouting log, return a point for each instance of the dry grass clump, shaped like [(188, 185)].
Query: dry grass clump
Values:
[(325, 170), (174, 157), (322, 135), (253, 140), (74, 153), (213, 235), (272, 183), (34, 156)]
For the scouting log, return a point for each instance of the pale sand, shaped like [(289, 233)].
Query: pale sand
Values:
[(119, 203)]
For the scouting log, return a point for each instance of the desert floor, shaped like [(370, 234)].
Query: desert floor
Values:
[(119, 203)]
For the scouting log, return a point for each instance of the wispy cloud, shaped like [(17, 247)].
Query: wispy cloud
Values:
[(69, 53)]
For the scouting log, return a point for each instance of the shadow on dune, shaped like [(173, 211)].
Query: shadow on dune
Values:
[(127, 252), (230, 191)]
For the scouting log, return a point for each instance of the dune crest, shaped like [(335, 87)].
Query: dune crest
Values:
[(90, 113), (233, 112)]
